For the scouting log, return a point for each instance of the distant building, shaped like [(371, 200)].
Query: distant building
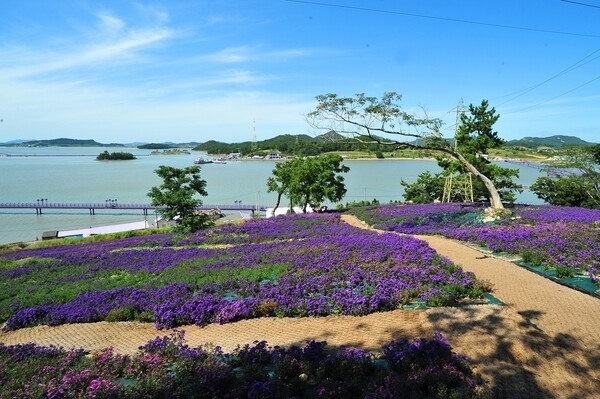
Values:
[(274, 155)]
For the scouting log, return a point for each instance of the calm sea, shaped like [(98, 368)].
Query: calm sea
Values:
[(73, 175)]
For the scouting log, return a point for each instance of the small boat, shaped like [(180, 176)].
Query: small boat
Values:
[(220, 161), (202, 161)]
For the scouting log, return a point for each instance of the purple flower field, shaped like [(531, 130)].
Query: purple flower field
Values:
[(166, 367), (563, 239), (303, 265)]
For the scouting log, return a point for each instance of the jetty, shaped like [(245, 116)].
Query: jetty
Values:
[(112, 205)]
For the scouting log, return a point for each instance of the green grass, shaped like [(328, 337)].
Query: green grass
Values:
[(47, 285)]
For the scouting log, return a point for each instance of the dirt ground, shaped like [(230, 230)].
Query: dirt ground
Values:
[(544, 342)]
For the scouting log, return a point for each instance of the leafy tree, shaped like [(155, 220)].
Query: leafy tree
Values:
[(427, 188), (309, 180), (381, 121), (176, 195), (576, 181), (474, 137)]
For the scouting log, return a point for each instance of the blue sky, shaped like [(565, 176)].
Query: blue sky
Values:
[(198, 70)]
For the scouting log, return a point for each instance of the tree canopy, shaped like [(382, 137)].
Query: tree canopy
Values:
[(176, 196), (473, 139), (309, 181), (573, 179), (383, 121)]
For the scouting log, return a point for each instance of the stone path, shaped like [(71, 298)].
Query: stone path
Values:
[(545, 343)]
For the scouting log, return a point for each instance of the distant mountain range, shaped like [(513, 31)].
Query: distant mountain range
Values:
[(552, 141), (276, 142), (62, 142)]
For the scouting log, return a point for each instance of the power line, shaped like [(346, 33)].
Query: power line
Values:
[(463, 21), (581, 4), (572, 67), (554, 98)]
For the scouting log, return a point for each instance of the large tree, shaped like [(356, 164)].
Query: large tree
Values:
[(383, 121), (573, 179), (176, 198), (309, 181), (473, 139)]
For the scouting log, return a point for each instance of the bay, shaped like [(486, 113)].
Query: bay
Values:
[(73, 175)]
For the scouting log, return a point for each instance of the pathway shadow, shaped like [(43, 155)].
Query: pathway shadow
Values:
[(513, 353)]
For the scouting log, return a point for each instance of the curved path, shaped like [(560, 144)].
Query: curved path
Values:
[(545, 343)]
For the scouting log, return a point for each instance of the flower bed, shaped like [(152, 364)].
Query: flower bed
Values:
[(563, 239), (168, 367), (304, 265)]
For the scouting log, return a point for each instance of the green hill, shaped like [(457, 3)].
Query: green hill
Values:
[(552, 141), (299, 144)]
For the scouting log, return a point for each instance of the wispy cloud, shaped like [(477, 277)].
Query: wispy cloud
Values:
[(240, 54), (228, 56), (110, 24), (117, 44)]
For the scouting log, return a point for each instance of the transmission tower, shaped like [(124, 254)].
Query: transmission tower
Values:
[(254, 144), (464, 182)]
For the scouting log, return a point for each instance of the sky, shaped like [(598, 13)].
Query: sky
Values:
[(230, 70)]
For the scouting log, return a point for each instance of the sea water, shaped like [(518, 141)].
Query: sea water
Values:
[(73, 175)]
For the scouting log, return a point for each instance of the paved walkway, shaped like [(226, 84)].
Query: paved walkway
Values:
[(545, 343)]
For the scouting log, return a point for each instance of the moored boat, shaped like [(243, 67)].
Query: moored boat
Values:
[(202, 161)]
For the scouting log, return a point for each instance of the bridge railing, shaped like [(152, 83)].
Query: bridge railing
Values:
[(99, 206)]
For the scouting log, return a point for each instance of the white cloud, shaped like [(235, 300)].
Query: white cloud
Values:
[(95, 55), (228, 56), (110, 24)]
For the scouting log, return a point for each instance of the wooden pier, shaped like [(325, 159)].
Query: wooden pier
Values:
[(113, 205)]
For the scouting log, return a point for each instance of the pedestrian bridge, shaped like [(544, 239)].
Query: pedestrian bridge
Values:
[(111, 205)]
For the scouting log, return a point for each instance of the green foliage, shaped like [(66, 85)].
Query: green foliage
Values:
[(115, 156), (155, 146), (565, 271), (176, 196), (473, 140), (194, 272), (578, 185), (565, 190), (425, 189), (125, 313), (309, 180), (40, 285), (373, 120), (298, 145), (552, 141), (357, 204), (532, 257)]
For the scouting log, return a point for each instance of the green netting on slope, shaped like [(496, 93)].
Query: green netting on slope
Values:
[(581, 283), (488, 299)]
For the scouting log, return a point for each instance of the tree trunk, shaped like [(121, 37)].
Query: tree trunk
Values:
[(279, 194), (495, 200)]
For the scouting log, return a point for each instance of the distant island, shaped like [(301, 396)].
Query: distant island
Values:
[(172, 151), (155, 146), (115, 156), (301, 145), (62, 142)]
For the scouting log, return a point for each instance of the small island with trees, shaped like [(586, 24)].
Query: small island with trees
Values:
[(115, 156)]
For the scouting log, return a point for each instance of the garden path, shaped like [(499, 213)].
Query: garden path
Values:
[(544, 344), (546, 340)]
